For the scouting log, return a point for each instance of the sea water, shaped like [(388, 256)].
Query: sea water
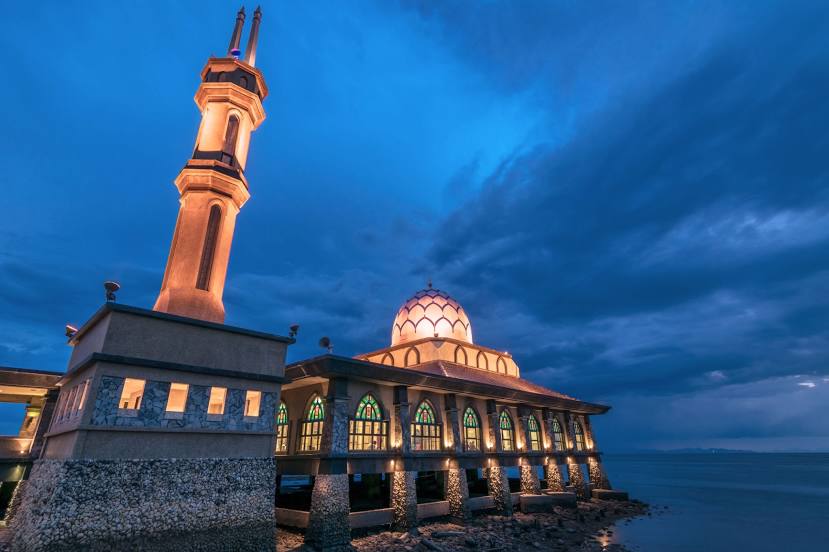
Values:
[(725, 502)]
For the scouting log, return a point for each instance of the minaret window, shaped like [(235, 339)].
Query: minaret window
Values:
[(558, 436), (368, 430), (231, 134), (507, 433), (425, 428), (282, 429), (312, 426), (471, 431), (209, 250), (533, 434), (579, 436), (131, 394)]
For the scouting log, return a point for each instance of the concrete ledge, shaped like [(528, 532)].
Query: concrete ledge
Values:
[(370, 518), (606, 494), (568, 500), (292, 518), (535, 503), (481, 503), (433, 509)]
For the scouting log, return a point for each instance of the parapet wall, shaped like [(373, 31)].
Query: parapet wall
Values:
[(103, 504)]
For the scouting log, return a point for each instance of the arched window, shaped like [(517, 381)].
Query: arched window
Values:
[(533, 434), (558, 436), (312, 426), (412, 357), (482, 361), (579, 435), (229, 145), (208, 251), (368, 430), (507, 434), (425, 428), (471, 430), (460, 355), (282, 429)]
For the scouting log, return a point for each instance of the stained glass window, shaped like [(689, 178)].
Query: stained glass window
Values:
[(505, 423), (312, 426), (425, 429), (534, 435), (368, 430), (558, 436), (579, 436), (471, 430), (282, 429)]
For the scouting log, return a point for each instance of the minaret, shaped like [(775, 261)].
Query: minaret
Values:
[(212, 184)]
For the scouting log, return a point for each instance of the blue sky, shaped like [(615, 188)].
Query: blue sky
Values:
[(630, 197)]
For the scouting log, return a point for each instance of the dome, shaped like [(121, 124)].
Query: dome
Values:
[(430, 313)]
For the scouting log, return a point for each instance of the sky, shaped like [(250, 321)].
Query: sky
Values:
[(630, 197)]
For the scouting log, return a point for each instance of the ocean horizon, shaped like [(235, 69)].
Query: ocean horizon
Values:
[(723, 501)]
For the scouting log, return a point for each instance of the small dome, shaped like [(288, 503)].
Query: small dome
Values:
[(430, 313)]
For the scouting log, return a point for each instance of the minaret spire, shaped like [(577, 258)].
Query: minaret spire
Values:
[(236, 37), (250, 51)]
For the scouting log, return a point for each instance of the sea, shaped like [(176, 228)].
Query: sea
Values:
[(724, 502)]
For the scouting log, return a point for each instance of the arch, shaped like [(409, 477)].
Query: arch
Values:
[(501, 366), (558, 435), (579, 437), (460, 355), (311, 436), (388, 360), (507, 432), (533, 434), (282, 428), (368, 430), (231, 136), (211, 237), (471, 430), (481, 361), (412, 354), (425, 428)]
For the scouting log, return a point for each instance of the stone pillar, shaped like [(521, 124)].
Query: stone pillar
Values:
[(328, 525), (552, 474), (576, 477), (523, 429), (588, 433), (457, 493), (598, 477), (570, 430), (401, 434), (494, 427), (453, 429), (403, 500), (529, 480), (499, 490), (334, 440)]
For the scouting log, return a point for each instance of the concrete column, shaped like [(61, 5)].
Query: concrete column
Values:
[(401, 426), (403, 500), (457, 493), (328, 525), (499, 490), (494, 428), (529, 480), (45, 418), (598, 477), (576, 477), (552, 474), (453, 421), (334, 440)]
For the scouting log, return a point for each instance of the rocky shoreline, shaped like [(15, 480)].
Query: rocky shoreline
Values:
[(588, 528)]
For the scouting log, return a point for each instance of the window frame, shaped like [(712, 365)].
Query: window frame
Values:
[(475, 429), (375, 422), (533, 434), (426, 433), (282, 429), (310, 435), (507, 433)]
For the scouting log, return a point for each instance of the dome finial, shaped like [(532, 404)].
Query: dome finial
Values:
[(430, 283)]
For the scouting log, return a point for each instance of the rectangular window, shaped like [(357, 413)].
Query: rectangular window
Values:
[(367, 434), (216, 405), (252, 400), (311, 436), (131, 394), (177, 399), (84, 391)]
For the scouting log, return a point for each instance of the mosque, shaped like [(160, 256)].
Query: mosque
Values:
[(195, 433)]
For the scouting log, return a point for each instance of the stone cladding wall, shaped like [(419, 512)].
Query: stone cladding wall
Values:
[(328, 526), (597, 474), (154, 402), (103, 504), (403, 500), (499, 490), (529, 481), (576, 478), (457, 493), (552, 473)]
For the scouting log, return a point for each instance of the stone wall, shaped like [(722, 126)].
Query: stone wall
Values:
[(105, 504), (154, 402), (328, 525)]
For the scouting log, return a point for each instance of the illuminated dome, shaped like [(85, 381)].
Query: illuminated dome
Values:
[(430, 313)]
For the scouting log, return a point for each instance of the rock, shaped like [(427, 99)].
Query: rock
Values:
[(431, 545), (447, 534)]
